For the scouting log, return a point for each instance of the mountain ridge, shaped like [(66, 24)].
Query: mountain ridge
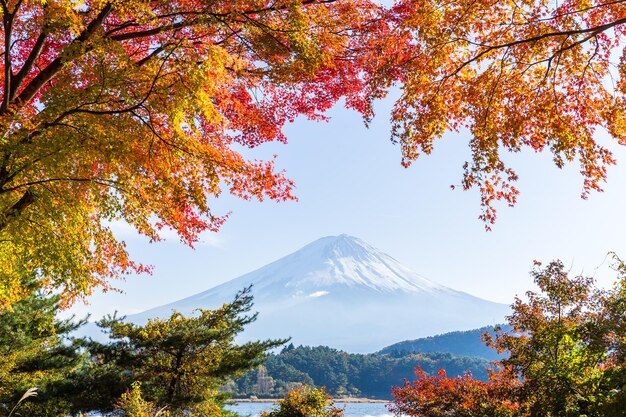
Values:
[(464, 343), (342, 292)]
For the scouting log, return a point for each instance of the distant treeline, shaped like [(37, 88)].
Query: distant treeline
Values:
[(346, 374), (467, 343)]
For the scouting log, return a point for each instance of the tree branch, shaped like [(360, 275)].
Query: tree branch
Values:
[(28, 65), (593, 31), (56, 65), (16, 209), (150, 32), (7, 21)]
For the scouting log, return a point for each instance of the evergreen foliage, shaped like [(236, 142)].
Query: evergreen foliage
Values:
[(35, 352), (464, 343), (167, 367), (348, 374), (181, 361)]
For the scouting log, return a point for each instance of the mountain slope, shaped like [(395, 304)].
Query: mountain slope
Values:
[(465, 343), (341, 292), (341, 373)]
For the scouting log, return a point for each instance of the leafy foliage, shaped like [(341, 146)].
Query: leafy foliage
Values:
[(133, 405), (513, 75), (556, 345), (346, 374), (166, 367), (136, 110), (305, 401), (440, 396), (180, 362), (612, 328), (564, 357), (35, 353)]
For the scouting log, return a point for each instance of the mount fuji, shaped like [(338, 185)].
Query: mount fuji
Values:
[(341, 292)]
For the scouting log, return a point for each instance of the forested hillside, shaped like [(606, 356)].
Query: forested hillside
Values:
[(465, 343), (347, 374)]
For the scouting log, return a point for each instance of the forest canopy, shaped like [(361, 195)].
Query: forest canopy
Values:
[(346, 374)]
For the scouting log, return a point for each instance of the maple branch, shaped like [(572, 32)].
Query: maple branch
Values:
[(571, 12), (151, 32), (5, 177), (268, 31), (56, 65), (274, 8), (152, 129), (588, 65), (129, 109), (245, 42), (493, 91), (183, 24), (18, 79), (122, 26), (16, 209), (13, 83), (594, 30), (9, 176), (154, 53), (95, 180), (17, 6), (7, 21)]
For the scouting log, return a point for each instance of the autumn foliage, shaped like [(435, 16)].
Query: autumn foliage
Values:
[(510, 75), (564, 356), (438, 395), (136, 111)]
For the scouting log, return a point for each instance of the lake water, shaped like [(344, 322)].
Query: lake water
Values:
[(351, 409)]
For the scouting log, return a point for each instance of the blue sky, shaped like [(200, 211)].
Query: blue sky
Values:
[(349, 180)]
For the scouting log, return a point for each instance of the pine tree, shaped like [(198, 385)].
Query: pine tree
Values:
[(35, 352), (181, 361)]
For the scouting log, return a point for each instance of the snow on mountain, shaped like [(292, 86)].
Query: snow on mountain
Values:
[(341, 292)]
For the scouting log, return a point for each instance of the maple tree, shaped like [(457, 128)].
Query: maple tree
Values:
[(564, 356), (556, 344), (511, 75), (441, 396), (136, 110)]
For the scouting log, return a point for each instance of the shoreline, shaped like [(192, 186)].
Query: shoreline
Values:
[(336, 400)]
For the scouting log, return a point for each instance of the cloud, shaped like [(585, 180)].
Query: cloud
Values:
[(318, 294)]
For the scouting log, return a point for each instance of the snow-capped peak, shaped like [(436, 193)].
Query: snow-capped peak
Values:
[(342, 292), (329, 264)]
